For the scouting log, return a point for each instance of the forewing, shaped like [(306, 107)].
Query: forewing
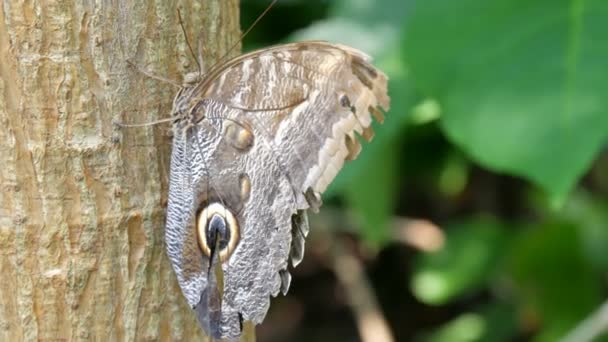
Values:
[(307, 99)]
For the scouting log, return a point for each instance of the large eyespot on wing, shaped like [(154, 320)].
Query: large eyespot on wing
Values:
[(217, 231)]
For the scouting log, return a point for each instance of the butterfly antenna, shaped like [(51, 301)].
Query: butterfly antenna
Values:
[(145, 124), (181, 24), (153, 76), (255, 22)]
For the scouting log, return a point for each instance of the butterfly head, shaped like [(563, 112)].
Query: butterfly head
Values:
[(185, 105), (191, 79)]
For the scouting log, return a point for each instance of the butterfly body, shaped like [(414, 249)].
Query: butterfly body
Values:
[(256, 142)]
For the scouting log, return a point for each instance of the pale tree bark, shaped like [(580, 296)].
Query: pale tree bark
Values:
[(82, 202)]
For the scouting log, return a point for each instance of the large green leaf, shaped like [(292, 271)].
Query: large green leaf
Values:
[(522, 83)]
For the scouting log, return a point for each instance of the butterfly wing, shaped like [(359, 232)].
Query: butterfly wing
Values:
[(285, 118), (309, 98)]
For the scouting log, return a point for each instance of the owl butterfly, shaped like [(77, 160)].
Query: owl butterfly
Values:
[(255, 144)]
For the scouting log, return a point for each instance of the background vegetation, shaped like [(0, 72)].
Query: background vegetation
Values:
[(497, 134)]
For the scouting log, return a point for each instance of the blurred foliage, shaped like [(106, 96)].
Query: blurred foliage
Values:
[(498, 131), (470, 257), (521, 83)]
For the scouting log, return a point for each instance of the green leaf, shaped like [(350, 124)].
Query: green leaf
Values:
[(522, 83), (468, 260), (553, 279), (372, 12)]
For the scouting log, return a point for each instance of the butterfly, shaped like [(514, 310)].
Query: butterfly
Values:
[(256, 142)]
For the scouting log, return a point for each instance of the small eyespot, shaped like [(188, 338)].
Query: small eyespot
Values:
[(216, 227), (245, 184), (239, 136), (345, 101)]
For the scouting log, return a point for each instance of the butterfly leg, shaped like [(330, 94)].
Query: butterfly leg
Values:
[(153, 76)]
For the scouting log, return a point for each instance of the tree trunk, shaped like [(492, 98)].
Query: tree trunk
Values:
[(82, 203)]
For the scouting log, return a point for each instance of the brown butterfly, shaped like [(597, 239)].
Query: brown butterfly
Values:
[(255, 144)]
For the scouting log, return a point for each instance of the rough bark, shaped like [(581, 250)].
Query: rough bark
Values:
[(82, 202)]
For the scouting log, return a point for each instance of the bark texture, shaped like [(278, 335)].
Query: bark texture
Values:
[(82, 202)]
